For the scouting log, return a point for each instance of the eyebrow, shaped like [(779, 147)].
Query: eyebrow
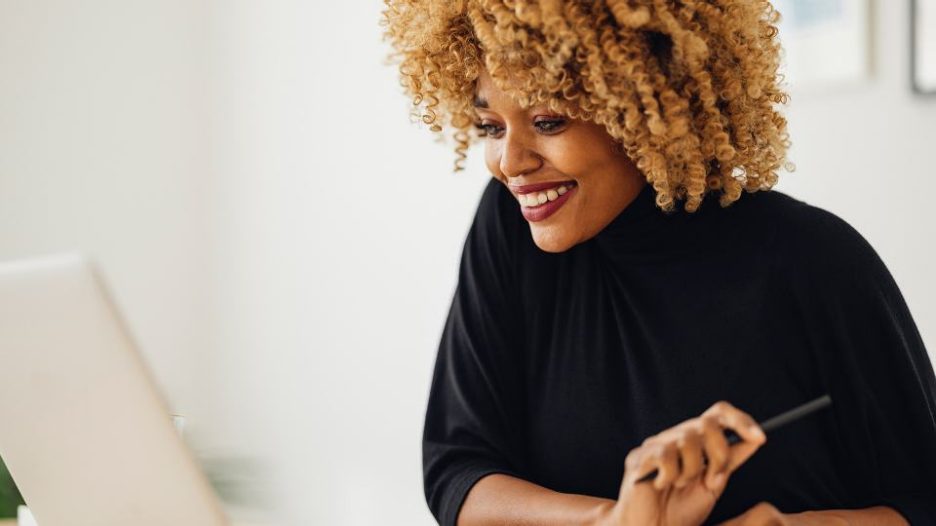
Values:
[(479, 102)]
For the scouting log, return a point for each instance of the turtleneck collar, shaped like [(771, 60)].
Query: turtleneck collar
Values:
[(635, 213), (643, 231)]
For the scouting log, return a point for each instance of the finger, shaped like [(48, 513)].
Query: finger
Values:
[(690, 451), (639, 462), (739, 454), (746, 427), (716, 450), (667, 460), (633, 466), (752, 437)]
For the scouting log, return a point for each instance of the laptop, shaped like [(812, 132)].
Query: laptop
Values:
[(84, 431)]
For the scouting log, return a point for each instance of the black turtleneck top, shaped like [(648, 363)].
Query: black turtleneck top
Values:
[(553, 366)]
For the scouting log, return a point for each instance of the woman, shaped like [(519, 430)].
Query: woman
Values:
[(631, 287)]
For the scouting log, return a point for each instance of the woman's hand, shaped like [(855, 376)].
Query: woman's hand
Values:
[(765, 514), (694, 461)]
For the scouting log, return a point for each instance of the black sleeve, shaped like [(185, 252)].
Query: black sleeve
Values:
[(473, 418), (878, 371)]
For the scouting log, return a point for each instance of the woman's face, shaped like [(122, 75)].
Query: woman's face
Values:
[(536, 147)]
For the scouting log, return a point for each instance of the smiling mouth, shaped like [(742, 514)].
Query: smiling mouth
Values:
[(536, 211), (541, 197)]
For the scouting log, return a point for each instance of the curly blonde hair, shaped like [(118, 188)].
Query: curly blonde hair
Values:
[(687, 87)]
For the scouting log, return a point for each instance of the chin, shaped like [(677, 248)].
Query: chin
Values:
[(552, 241)]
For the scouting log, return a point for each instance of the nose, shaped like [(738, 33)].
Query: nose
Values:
[(518, 157)]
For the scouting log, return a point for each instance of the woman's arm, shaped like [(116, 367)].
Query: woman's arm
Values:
[(766, 513), (475, 416), (872, 362), (683, 492), (502, 499), (874, 516)]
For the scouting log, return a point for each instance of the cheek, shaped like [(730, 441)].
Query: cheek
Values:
[(572, 154)]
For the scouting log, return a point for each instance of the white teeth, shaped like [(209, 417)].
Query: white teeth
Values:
[(541, 197)]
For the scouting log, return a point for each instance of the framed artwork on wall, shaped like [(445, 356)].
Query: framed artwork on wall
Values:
[(826, 43), (923, 46)]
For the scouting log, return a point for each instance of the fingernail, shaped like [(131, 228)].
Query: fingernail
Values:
[(758, 432)]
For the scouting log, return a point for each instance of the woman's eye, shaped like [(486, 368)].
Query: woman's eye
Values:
[(487, 129), (544, 126), (550, 125)]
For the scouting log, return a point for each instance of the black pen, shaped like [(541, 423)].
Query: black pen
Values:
[(770, 424)]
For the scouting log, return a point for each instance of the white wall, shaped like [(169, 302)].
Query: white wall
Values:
[(865, 153), (285, 243), (339, 226), (102, 114)]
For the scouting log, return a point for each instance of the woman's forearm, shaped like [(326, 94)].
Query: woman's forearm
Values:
[(874, 516), (506, 500), (500, 499)]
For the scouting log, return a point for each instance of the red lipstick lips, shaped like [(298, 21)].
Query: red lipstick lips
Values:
[(542, 211)]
